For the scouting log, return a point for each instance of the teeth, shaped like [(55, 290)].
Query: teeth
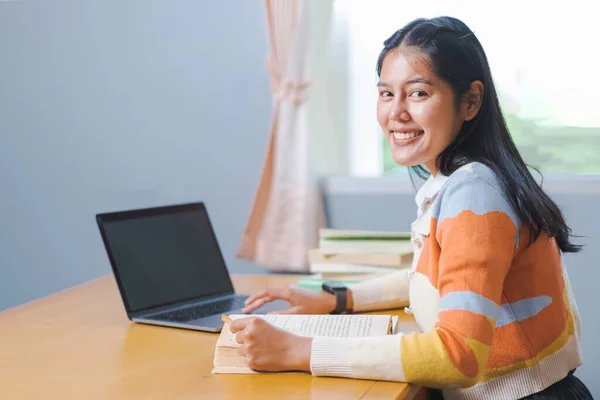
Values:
[(410, 135)]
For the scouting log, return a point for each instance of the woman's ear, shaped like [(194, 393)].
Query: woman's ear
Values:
[(472, 100)]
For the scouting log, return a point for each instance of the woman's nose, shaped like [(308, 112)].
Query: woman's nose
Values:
[(398, 112)]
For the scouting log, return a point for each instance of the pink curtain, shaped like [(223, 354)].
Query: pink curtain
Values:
[(287, 211)]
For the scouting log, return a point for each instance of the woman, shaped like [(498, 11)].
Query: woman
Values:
[(487, 239)]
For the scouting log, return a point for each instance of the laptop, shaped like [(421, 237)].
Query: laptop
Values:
[(169, 267)]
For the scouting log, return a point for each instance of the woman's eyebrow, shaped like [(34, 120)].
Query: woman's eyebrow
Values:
[(409, 82), (419, 80)]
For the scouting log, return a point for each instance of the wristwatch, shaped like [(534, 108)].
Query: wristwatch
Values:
[(341, 295)]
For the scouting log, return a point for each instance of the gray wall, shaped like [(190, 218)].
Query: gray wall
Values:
[(395, 212), (110, 105)]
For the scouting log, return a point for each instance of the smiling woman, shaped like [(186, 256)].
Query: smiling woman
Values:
[(417, 110), (460, 114), (487, 286)]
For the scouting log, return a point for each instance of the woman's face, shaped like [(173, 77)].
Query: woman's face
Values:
[(416, 109)]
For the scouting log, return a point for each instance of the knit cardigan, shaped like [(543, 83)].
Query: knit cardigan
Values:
[(497, 316)]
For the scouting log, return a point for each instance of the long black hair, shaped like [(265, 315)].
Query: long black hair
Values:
[(457, 57)]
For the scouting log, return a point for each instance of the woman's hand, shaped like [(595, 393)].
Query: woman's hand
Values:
[(302, 301), (267, 348)]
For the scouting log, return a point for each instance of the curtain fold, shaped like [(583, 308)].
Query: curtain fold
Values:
[(287, 211)]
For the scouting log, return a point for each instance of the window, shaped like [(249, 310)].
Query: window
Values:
[(542, 59)]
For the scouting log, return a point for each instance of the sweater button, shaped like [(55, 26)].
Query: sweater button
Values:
[(418, 243)]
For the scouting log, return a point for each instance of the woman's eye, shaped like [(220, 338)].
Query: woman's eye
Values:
[(418, 94)]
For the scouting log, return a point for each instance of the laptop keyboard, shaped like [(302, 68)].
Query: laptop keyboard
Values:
[(190, 313)]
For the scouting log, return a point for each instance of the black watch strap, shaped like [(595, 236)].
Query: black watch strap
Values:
[(341, 301), (340, 292)]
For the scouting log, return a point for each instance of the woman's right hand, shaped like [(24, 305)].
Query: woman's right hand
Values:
[(302, 301)]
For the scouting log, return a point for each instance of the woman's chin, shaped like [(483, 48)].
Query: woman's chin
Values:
[(405, 161)]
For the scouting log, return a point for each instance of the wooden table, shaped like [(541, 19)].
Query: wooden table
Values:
[(79, 344)]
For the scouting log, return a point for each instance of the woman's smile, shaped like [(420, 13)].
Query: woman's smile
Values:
[(405, 138)]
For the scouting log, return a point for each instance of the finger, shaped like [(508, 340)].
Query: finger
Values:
[(242, 351), (239, 324), (256, 296), (275, 293), (258, 303), (239, 337)]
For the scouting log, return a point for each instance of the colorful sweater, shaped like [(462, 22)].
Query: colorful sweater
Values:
[(498, 318)]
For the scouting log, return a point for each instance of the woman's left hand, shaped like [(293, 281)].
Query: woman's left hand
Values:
[(267, 348)]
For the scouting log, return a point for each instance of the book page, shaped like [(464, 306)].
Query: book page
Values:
[(319, 325)]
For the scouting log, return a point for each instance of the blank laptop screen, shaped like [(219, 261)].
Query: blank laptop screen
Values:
[(163, 259)]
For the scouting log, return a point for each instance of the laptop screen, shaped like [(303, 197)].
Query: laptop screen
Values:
[(165, 255)]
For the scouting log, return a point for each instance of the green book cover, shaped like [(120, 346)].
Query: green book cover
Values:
[(316, 284), (356, 235)]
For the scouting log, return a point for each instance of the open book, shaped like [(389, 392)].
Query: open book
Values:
[(228, 361)]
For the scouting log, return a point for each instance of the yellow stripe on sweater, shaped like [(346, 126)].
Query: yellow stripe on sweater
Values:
[(425, 361)]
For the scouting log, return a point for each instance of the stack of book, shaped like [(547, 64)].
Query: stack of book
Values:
[(351, 254)]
